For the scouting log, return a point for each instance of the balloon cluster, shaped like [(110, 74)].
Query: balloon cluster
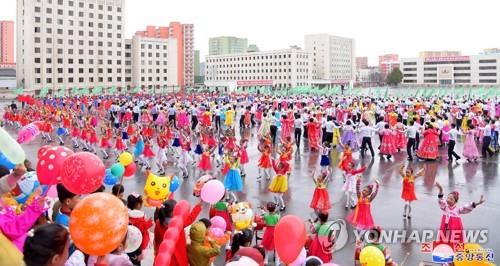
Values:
[(218, 232), (80, 173), (125, 167)]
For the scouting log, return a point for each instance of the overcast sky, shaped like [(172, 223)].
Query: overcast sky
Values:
[(378, 26)]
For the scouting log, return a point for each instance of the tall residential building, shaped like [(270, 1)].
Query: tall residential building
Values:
[(184, 35), (387, 63), (227, 45), (279, 69), (196, 63), (361, 63), (333, 57), (69, 43), (425, 54), (7, 43)]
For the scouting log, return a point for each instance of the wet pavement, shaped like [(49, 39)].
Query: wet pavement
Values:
[(471, 179)]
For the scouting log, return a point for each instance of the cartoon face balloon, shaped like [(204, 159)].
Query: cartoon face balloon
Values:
[(242, 215), (156, 189), (25, 187)]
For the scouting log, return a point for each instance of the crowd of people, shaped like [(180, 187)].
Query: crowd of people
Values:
[(195, 135)]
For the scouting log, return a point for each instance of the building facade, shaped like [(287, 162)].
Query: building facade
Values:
[(387, 63), (7, 43), (361, 63), (227, 45), (279, 69), (154, 62), (333, 57), (184, 35), (69, 43), (452, 70), (445, 53)]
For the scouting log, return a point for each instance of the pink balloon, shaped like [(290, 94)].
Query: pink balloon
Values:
[(218, 222), (27, 133), (82, 173), (301, 259), (52, 192), (212, 191), (217, 232), (49, 165)]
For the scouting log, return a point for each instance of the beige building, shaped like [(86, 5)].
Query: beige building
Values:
[(70, 43), (425, 54)]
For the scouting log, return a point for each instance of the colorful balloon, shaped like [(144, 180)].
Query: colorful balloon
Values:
[(82, 173), (50, 163), (118, 170), (5, 162), (98, 224), (42, 150), (10, 148), (371, 256), (174, 184), (130, 170), (134, 239), (218, 222), (289, 238), (26, 186), (126, 158), (212, 191), (109, 178), (27, 133), (156, 189)]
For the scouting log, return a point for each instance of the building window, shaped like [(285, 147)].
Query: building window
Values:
[(461, 68), (425, 75), (409, 63), (38, 80), (80, 80), (70, 80), (461, 74), (487, 67), (488, 74), (110, 79), (487, 81), (59, 70), (49, 80), (487, 61)]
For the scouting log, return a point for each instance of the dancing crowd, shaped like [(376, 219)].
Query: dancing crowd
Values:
[(208, 134)]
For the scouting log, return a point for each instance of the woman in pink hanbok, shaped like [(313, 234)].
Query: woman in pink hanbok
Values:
[(470, 149)]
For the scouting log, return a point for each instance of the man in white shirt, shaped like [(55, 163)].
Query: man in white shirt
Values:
[(453, 133), (298, 124), (366, 132), (487, 139), (411, 133)]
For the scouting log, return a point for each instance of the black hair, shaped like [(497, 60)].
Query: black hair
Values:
[(313, 261), (166, 211), (47, 241), (271, 206), (117, 189), (241, 239), (206, 222), (4, 171), (453, 125), (261, 250), (63, 193), (102, 188), (132, 201), (386, 126), (323, 217)]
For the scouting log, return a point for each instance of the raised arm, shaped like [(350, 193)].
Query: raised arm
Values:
[(441, 200), (470, 206), (375, 191), (421, 172), (358, 186), (402, 170)]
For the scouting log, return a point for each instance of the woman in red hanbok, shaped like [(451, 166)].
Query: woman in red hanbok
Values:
[(429, 147), (313, 130), (286, 126)]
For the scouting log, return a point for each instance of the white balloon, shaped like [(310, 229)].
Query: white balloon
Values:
[(10, 148), (134, 239)]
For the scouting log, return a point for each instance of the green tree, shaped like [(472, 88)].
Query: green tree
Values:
[(395, 77)]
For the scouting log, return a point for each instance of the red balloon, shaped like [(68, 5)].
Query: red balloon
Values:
[(130, 169), (165, 252), (50, 162), (42, 150), (182, 209), (82, 173), (289, 238), (176, 222)]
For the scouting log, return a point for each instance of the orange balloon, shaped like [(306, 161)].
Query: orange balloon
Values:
[(98, 224)]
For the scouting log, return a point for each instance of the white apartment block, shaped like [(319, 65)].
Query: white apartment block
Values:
[(70, 43), (280, 69), (188, 54), (128, 63), (154, 62), (481, 69), (333, 57)]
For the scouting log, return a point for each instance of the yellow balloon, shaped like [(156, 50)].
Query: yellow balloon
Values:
[(476, 249), (10, 148), (157, 187), (371, 256), (125, 158)]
